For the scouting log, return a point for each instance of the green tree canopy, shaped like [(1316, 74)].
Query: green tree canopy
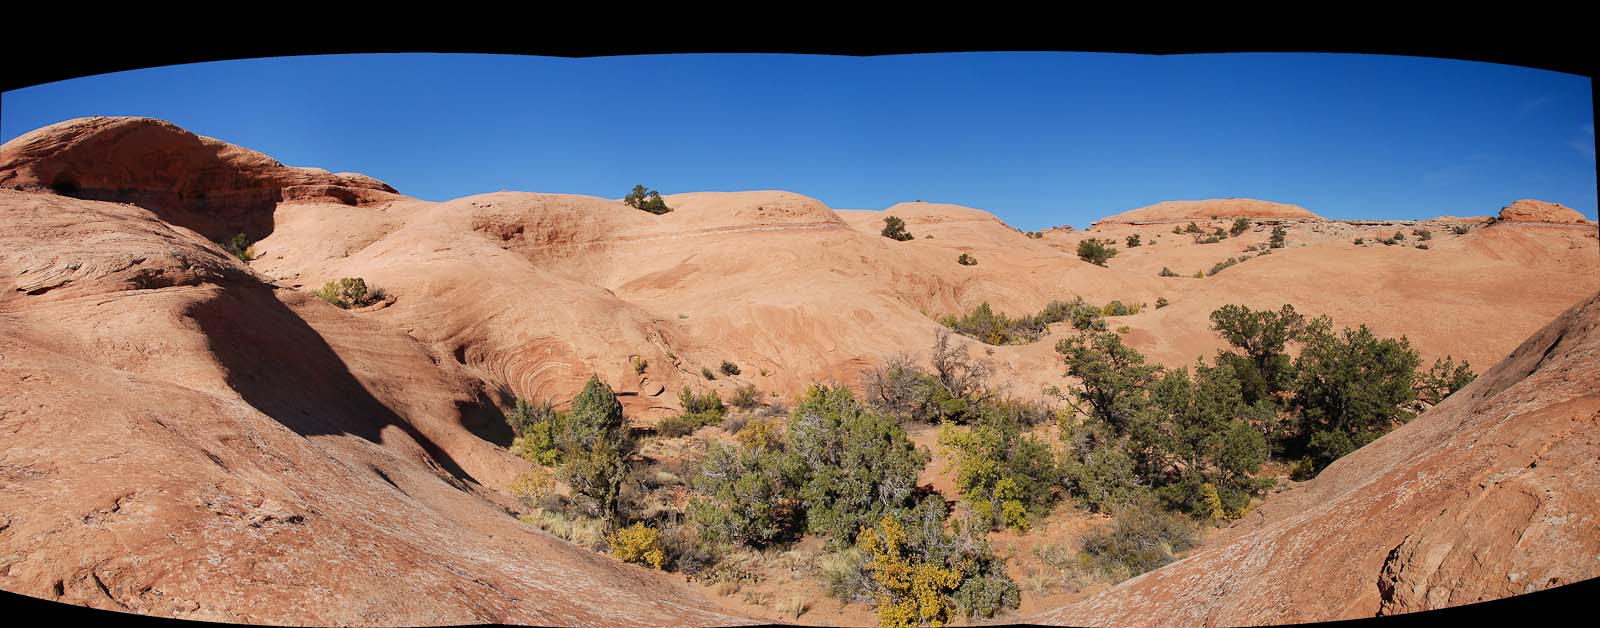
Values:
[(894, 228), (646, 200)]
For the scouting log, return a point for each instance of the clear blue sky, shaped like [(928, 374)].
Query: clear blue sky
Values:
[(1040, 139)]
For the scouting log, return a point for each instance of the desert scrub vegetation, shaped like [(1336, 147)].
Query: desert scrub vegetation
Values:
[(729, 368), (1280, 234), (1141, 538), (1005, 475), (348, 292), (1118, 308), (646, 200), (1133, 241), (1166, 272), (988, 327), (1162, 302), (1460, 229), (699, 410), (837, 467), (639, 364), (705, 371), (589, 446), (1212, 239), (1219, 266), (534, 426), (745, 397), (240, 247), (923, 573), (1095, 252), (1240, 225), (894, 228), (950, 393), (1422, 234), (637, 543), (967, 260)]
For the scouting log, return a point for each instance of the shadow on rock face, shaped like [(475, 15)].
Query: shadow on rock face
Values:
[(284, 369)]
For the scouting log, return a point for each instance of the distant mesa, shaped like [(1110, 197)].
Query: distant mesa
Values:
[(1169, 211), (1529, 210)]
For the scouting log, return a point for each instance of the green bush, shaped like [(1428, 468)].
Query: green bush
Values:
[(1092, 251), (1262, 337), (537, 440), (729, 368), (348, 292), (967, 260), (1111, 375), (698, 411), (595, 444), (1096, 469), (1133, 240), (524, 415), (747, 496), (1162, 302), (1443, 379), (646, 200), (1193, 228), (1196, 425), (1422, 234), (1360, 240), (1167, 272), (1279, 234), (894, 228), (1222, 265), (1005, 475), (745, 397), (861, 464), (1207, 240), (241, 247), (1461, 229), (1240, 225), (984, 325), (1351, 388), (705, 371)]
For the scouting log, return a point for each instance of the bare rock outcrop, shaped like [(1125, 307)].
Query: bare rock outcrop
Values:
[(182, 439), (1530, 210), (1213, 208), (213, 187)]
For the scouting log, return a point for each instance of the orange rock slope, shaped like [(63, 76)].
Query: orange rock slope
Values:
[(1540, 211), (1168, 211), (191, 435)]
